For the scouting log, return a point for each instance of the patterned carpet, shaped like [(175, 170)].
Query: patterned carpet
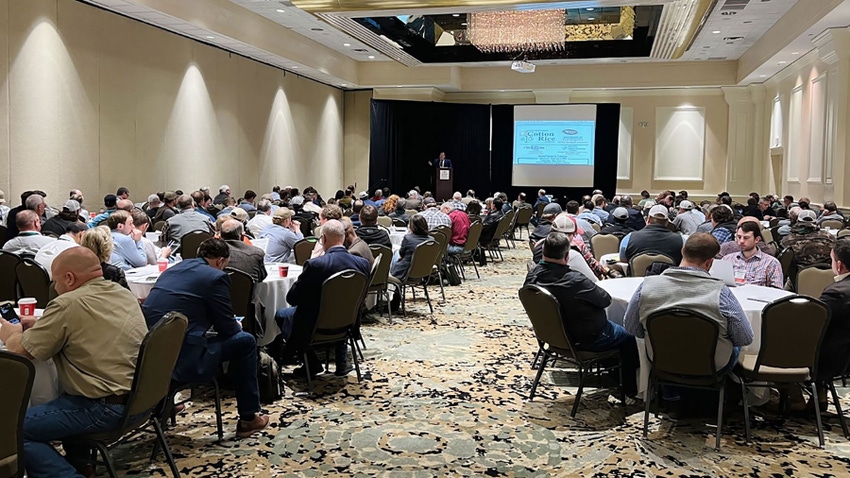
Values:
[(448, 398)]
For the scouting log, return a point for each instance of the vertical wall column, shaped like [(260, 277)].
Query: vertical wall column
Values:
[(834, 49), (744, 160)]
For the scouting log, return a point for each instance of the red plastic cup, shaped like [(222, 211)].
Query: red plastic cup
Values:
[(27, 306), (162, 264), (283, 270)]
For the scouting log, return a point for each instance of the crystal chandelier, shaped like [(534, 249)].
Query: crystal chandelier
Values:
[(518, 30)]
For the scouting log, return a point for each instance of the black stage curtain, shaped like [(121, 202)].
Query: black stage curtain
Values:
[(406, 134)]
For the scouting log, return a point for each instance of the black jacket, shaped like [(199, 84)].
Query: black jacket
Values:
[(582, 302), (657, 239), (616, 228), (635, 221), (374, 235), (835, 349)]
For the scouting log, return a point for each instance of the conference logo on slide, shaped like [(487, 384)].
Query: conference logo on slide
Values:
[(570, 131)]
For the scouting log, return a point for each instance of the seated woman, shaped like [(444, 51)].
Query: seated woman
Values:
[(418, 234), (400, 213), (99, 240), (389, 206)]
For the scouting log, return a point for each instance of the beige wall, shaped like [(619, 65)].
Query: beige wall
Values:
[(357, 139), (92, 100)]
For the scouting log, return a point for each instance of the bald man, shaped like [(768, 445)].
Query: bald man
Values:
[(297, 323), (92, 331)]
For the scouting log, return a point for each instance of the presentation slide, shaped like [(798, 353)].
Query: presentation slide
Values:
[(554, 145)]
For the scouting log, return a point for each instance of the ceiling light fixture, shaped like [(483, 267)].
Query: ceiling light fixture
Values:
[(591, 18), (519, 30), (210, 37), (762, 76), (783, 62), (280, 10), (455, 15), (590, 9), (346, 44), (371, 57), (795, 52), (716, 32)]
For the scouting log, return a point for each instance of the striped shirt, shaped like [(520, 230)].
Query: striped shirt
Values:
[(761, 268)]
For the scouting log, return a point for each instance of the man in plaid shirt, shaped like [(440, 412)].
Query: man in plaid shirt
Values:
[(759, 268), (433, 216)]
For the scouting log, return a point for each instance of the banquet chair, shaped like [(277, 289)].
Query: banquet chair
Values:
[(843, 232), (830, 385), (385, 221), (639, 263), (2, 235), (682, 345), (190, 242), (766, 236), (494, 248), (411, 212), (304, 249), (469, 249), (34, 281), (421, 264), (508, 235), (154, 366), (604, 244), (774, 222), (789, 265), (812, 280), (9, 279), (160, 226), (523, 219), (792, 329), (242, 300), (832, 224), (544, 311), (339, 306), (399, 222), (596, 227), (380, 281), (17, 374), (443, 240)]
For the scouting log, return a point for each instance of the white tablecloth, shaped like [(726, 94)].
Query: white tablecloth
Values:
[(397, 235), (622, 290), (46, 385), (270, 294)]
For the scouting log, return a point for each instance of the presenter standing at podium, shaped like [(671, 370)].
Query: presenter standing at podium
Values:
[(441, 162)]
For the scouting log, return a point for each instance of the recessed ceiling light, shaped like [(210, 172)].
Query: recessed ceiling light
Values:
[(591, 18), (716, 32), (762, 76), (783, 62), (455, 14), (210, 37), (280, 10), (344, 84), (795, 52), (590, 9), (346, 44), (294, 67), (464, 23), (501, 91), (371, 57)]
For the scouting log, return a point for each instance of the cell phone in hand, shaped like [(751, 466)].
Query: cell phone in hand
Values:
[(7, 310)]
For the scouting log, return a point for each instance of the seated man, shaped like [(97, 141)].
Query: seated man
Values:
[(70, 214), (583, 306), (705, 294), (723, 224), (830, 213), (129, 251), (565, 224), (262, 219), (689, 218), (760, 268), (810, 245), (369, 230), (200, 289), (282, 234), (654, 238), (92, 331), (29, 240), (433, 216), (329, 211), (297, 323), (460, 226), (72, 237), (618, 222), (355, 245), (187, 221), (243, 257), (835, 349)]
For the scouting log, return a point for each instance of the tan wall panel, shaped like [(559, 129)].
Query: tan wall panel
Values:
[(357, 137), (101, 101)]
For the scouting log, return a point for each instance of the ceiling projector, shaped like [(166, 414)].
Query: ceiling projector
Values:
[(523, 66)]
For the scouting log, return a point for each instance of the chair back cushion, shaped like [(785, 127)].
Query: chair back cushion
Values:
[(34, 281), (639, 263), (304, 248), (190, 242), (473, 237), (17, 375), (9, 278), (155, 364), (792, 329), (382, 270), (811, 281), (604, 244), (683, 343), (342, 294), (424, 258), (544, 311), (242, 300)]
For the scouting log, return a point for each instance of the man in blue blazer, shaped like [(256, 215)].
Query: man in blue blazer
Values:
[(298, 322), (441, 162), (200, 290)]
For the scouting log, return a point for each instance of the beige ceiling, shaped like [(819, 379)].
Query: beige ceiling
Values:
[(735, 42)]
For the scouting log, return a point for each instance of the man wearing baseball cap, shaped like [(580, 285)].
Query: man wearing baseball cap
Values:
[(58, 223), (620, 225), (810, 245), (655, 238), (688, 219)]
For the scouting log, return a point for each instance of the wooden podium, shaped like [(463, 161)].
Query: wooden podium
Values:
[(445, 184)]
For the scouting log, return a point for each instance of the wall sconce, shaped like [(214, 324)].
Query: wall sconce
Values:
[(644, 124)]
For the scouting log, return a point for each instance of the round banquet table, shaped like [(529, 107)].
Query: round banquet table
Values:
[(269, 295), (753, 300), (46, 385)]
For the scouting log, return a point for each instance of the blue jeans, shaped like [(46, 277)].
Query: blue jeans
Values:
[(64, 417), (453, 249), (615, 337), (241, 351)]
